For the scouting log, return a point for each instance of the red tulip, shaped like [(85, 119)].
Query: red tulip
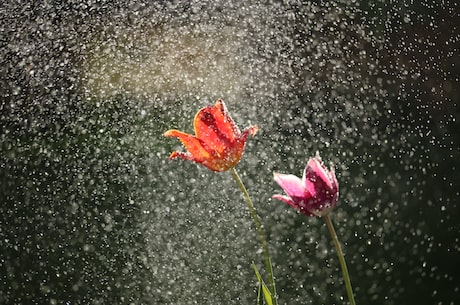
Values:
[(315, 194), (217, 144)]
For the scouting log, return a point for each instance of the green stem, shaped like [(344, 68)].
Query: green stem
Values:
[(343, 264), (256, 220)]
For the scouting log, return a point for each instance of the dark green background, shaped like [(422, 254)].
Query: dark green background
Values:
[(92, 212)]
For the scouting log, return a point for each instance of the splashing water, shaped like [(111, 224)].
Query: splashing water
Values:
[(93, 212)]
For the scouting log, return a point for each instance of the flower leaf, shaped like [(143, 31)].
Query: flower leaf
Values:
[(265, 290)]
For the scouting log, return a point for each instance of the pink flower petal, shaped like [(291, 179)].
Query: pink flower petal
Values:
[(315, 168), (286, 199), (291, 184), (315, 194), (310, 187), (335, 183)]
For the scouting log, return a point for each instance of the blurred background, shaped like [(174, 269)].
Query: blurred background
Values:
[(93, 212)]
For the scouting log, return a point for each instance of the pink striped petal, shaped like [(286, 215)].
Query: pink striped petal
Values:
[(286, 199), (315, 168), (291, 184)]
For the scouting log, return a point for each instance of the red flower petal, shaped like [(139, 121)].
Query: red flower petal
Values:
[(249, 131), (218, 143), (214, 126), (195, 146)]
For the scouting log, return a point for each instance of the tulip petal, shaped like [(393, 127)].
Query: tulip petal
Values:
[(215, 127), (224, 121), (310, 187), (286, 199), (249, 131), (195, 146), (320, 189), (181, 155), (315, 168), (291, 184), (218, 143), (335, 183)]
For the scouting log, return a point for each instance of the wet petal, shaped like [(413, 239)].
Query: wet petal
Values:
[(335, 183), (315, 169), (310, 187), (195, 146), (291, 184), (315, 194), (286, 199), (249, 131), (224, 121), (218, 143), (181, 155), (215, 127)]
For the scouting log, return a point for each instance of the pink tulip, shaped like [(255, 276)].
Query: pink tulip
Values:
[(315, 194)]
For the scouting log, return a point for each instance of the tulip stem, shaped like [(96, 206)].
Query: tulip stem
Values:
[(343, 264), (263, 241)]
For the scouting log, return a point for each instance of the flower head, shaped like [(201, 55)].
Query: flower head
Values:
[(218, 144), (315, 194)]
